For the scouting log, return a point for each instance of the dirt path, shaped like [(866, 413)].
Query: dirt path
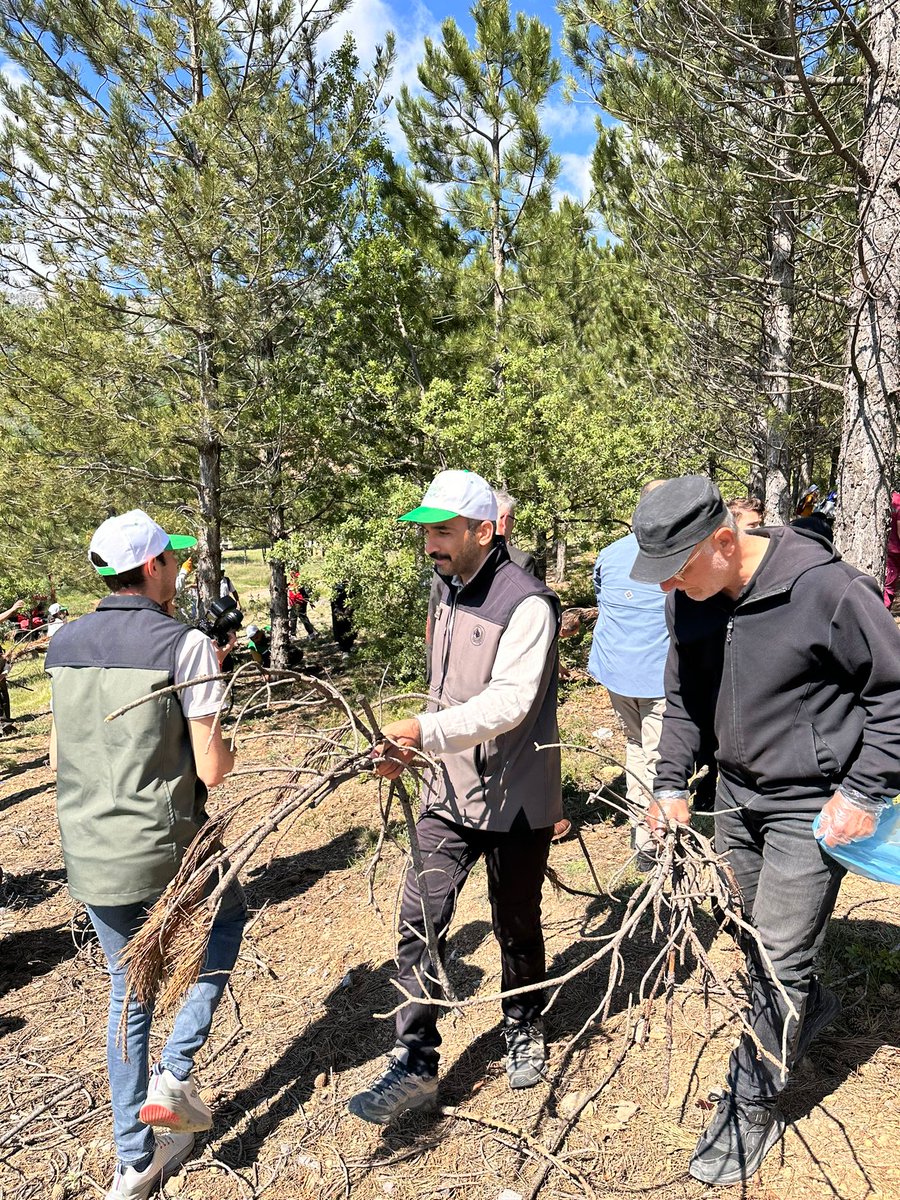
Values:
[(296, 1036)]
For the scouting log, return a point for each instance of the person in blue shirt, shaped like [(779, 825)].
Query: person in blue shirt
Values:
[(628, 656)]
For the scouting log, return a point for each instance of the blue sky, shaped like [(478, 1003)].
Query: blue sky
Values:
[(571, 126)]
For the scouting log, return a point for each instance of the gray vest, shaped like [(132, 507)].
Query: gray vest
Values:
[(498, 781), (128, 798)]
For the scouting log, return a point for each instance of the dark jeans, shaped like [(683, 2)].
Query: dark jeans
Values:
[(298, 612), (789, 888), (515, 863)]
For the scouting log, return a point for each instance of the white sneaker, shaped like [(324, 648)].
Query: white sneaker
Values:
[(171, 1151), (175, 1104)]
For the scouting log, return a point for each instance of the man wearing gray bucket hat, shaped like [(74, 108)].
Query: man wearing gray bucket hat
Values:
[(785, 655)]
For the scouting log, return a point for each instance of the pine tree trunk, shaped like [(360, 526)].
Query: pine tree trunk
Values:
[(209, 543), (278, 597), (540, 555), (209, 546), (778, 313), (868, 457), (561, 556)]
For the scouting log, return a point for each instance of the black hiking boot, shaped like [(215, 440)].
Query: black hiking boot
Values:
[(734, 1144)]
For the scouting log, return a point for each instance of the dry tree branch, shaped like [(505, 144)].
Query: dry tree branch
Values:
[(398, 788)]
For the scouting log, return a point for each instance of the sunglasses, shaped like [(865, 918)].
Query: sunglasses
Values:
[(679, 575)]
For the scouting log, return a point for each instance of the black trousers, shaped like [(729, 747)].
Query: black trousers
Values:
[(789, 886), (515, 863)]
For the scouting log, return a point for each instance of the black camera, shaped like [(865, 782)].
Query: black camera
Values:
[(221, 620)]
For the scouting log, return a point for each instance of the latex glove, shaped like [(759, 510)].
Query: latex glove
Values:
[(408, 737), (666, 809), (846, 820)]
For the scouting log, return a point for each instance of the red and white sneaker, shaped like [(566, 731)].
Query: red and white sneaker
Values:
[(175, 1104), (171, 1151)]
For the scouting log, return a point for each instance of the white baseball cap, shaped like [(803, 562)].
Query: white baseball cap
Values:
[(130, 540), (455, 494), (54, 609)]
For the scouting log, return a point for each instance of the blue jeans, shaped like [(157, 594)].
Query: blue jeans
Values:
[(789, 887), (128, 1078)]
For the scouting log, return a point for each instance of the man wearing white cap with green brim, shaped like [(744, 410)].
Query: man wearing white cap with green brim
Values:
[(494, 668), (131, 796)]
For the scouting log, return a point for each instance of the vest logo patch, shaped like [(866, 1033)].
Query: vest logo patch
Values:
[(477, 635), (629, 595)]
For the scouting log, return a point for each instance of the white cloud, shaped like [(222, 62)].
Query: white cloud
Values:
[(369, 22), (562, 119), (575, 177)]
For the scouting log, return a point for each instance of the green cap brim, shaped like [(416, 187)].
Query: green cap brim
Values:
[(177, 541), (428, 516)]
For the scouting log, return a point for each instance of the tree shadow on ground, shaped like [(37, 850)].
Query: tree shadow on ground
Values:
[(26, 794), (32, 888), (284, 878), (20, 768), (346, 1036), (858, 954), (31, 953)]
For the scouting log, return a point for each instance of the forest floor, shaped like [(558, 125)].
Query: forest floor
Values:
[(297, 1033)]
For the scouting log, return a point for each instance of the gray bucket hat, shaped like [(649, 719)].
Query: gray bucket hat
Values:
[(670, 521)]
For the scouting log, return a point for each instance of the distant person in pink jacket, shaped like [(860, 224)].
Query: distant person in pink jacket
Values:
[(892, 563)]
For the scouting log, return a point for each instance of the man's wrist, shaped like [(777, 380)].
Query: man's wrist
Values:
[(861, 800)]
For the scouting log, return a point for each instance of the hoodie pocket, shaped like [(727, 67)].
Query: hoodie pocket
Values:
[(815, 758), (826, 758)]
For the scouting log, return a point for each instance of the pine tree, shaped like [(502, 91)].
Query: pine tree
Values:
[(178, 168)]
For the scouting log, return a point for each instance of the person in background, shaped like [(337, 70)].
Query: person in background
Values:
[(342, 617), (186, 592), (298, 606), (56, 618), (892, 557), (748, 511), (131, 796), (227, 588), (6, 721), (628, 656), (506, 523), (259, 645)]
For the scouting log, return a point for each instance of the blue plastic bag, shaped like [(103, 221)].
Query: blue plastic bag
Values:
[(876, 857)]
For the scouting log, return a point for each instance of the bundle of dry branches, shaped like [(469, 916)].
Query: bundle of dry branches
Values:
[(689, 879), (166, 957)]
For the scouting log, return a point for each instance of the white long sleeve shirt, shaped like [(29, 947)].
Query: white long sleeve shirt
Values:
[(511, 692)]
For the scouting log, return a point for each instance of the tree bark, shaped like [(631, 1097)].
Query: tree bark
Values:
[(559, 538), (209, 546), (278, 598), (868, 459), (778, 303)]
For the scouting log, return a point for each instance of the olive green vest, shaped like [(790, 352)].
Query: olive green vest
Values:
[(128, 798)]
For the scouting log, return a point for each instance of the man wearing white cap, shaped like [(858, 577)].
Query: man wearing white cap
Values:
[(131, 796), (494, 667)]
